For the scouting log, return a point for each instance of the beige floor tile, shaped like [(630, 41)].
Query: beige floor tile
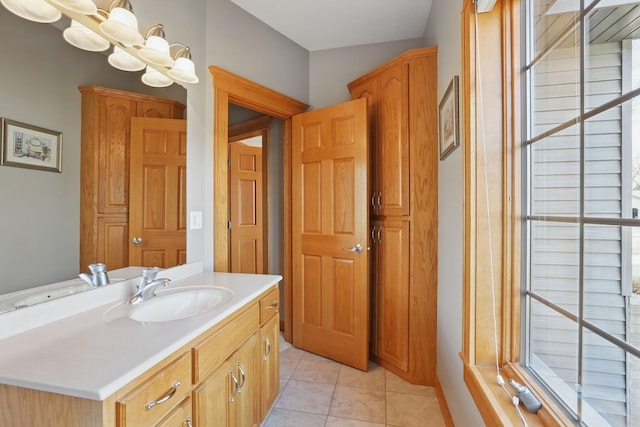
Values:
[(306, 396), (286, 418), (411, 410), (358, 403), (345, 422), (373, 379), (397, 384), (317, 369), (289, 360)]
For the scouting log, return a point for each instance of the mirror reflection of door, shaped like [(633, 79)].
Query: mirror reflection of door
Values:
[(248, 217), (157, 200)]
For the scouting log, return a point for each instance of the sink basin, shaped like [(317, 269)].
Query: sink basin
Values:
[(181, 303)]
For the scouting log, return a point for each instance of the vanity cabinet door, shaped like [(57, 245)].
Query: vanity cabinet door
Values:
[(230, 395), (270, 359), (212, 403)]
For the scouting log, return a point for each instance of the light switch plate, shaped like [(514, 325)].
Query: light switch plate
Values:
[(196, 220)]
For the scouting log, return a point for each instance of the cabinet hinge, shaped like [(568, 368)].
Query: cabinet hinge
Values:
[(229, 225), (229, 162)]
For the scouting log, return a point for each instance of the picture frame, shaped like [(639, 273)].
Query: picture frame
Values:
[(32, 147), (449, 119)]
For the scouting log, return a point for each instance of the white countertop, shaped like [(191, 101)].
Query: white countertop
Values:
[(84, 355)]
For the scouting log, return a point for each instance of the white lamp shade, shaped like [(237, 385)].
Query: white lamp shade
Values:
[(184, 71), (123, 60), (81, 37), (156, 52), (84, 7), (33, 10), (122, 26), (155, 78)]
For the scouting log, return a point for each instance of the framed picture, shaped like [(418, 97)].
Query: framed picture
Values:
[(449, 120), (32, 147)]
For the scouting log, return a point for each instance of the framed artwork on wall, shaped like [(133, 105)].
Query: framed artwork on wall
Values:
[(31, 147), (449, 120)]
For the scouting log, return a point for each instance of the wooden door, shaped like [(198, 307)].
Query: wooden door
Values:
[(157, 192), (392, 144), (329, 221), (247, 228), (392, 292)]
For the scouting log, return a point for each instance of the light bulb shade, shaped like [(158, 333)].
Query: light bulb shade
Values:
[(156, 52), (123, 60), (155, 78), (84, 7), (184, 71), (81, 37), (33, 10), (122, 26)]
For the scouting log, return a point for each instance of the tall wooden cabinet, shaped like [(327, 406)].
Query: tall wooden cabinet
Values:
[(402, 104), (104, 174)]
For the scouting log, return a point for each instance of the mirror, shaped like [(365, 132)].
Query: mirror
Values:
[(39, 220)]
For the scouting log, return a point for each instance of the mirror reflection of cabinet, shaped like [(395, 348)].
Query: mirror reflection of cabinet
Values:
[(104, 175)]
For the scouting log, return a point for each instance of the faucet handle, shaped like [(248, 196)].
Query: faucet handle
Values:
[(150, 272)]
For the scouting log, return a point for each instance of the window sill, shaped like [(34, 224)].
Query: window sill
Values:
[(496, 407)]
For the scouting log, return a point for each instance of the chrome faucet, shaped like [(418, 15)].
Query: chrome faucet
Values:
[(148, 275), (148, 291), (98, 276)]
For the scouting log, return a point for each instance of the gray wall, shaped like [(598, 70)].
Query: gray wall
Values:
[(331, 70), (443, 30)]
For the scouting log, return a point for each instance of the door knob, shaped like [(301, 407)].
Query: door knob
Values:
[(137, 240), (357, 248)]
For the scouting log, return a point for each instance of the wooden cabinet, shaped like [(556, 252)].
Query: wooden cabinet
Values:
[(104, 174), (179, 417), (230, 396), (270, 334), (402, 100), (156, 397)]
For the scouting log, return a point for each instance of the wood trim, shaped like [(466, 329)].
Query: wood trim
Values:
[(444, 408), (253, 126), (137, 97), (229, 87), (395, 62)]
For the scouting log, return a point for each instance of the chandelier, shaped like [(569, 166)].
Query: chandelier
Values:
[(96, 30)]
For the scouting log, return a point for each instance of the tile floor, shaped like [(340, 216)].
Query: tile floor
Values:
[(318, 392)]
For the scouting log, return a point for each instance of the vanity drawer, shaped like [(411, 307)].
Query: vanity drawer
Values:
[(269, 305), (216, 348), (167, 388), (179, 417)]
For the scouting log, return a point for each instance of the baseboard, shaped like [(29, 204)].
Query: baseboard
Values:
[(443, 404)]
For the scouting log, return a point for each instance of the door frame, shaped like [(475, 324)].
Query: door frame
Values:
[(228, 87)]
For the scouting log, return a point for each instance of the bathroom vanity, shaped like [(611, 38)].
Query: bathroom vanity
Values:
[(97, 366)]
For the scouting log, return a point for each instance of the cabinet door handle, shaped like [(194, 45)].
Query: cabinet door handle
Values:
[(379, 235), (268, 344), (242, 376), (236, 390), (273, 305), (373, 234), (380, 200), (166, 397), (373, 200), (189, 422)]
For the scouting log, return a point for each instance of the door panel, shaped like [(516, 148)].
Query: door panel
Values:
[(247, 228), (157, 201), (329, 218)]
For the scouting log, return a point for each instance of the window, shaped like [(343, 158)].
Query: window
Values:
[(581, 305)]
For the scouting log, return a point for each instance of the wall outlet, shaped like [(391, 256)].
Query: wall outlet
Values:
[(196, 220)]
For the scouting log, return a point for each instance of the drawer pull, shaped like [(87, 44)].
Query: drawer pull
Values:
[(166, 397), (236, 390), (273, 305), (243, 377), (266, 355)]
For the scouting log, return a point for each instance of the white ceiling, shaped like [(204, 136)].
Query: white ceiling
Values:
[(327, 24)]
